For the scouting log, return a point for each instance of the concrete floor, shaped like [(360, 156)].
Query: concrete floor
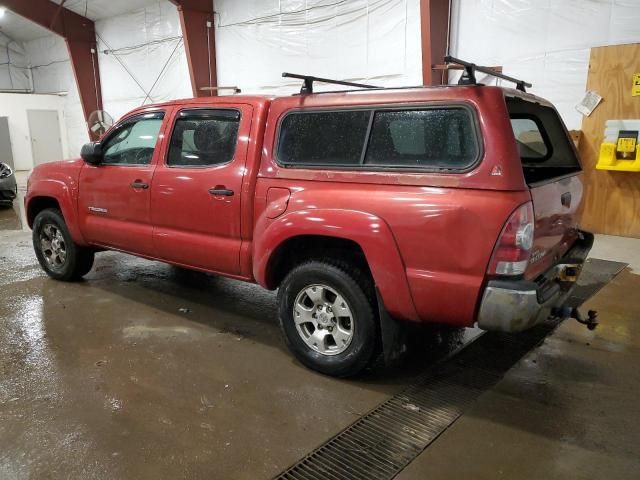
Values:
[(9, 219), (148, 371), (568, 410)]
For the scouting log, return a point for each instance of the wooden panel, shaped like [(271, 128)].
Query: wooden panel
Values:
[(612, 203)]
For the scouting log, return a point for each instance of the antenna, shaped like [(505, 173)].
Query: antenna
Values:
[(307, 86)]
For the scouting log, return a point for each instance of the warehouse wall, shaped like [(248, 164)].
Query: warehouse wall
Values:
[(133, 50), (52, 73), (373, 40), (376, 41), (14, 74), (15, 106), (544, 42)]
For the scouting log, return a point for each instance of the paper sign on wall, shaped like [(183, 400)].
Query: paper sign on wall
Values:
[(635, 87), (589, 103)]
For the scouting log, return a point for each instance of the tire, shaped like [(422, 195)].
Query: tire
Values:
[(63, 260), (338, 341)]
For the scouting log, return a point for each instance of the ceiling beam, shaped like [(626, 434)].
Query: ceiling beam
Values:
[(434, 29), (196, 21), (80, 36)]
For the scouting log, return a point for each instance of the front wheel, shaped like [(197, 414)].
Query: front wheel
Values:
[(326, 312), (57, 253)]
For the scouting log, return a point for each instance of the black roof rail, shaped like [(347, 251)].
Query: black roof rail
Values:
[(469, 74), (307, 85)]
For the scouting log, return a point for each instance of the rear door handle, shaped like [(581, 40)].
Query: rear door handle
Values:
[(221, 191), (139, 184), (565, 199)]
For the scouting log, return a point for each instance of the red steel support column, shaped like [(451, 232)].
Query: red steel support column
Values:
[(79, 33), (196, 20), (84, 59), (434, 28)]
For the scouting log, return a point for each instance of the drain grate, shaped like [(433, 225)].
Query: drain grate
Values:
[(384, 441)]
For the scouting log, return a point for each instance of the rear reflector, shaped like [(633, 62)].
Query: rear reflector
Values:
[(511, 254)]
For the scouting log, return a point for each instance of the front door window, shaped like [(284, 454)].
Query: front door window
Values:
[(134, 141)]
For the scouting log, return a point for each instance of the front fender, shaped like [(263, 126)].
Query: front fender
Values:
[(64, 189), (369, 231)]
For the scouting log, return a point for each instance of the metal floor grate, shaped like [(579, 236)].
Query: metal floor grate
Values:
[(384, 441)]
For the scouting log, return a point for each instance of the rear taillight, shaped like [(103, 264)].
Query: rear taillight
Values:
[(511, 254)]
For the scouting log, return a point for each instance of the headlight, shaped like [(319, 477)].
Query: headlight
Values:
[(5, 170)]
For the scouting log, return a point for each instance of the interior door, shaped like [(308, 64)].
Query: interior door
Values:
[(114, 199), (196, 191), (44, 129)]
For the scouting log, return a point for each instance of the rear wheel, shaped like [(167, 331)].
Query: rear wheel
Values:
[(57, 253), (326, 312)]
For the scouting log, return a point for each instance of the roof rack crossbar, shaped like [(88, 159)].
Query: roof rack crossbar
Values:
[(307, 86), (469, 75)]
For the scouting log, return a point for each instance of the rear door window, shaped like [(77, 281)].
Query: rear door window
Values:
[(545, 148), (203, 137)]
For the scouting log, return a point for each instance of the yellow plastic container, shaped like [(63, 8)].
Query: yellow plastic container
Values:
[(608, 161), (620, 149)]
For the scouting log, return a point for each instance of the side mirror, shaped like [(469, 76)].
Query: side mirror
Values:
[(92, 153)]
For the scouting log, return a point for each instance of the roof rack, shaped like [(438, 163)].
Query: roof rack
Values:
[(307, 86), (469, 75)]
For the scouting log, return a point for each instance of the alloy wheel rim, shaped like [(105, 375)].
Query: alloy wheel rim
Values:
[(53, 246), (323, 319)]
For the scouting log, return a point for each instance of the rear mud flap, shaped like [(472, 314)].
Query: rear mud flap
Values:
[(393, 333)]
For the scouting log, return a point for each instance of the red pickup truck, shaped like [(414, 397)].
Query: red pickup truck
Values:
[(367, 209)]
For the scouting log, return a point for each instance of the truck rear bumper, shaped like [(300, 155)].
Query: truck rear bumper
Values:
[(515, 305)]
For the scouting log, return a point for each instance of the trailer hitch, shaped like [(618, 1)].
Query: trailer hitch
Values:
[(591, 321), (572, 312)]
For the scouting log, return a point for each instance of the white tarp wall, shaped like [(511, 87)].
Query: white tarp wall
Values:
[(256, 40), (145, 60), (378, 41), (544, 42), (14, 74), (375, 41), (132, 51)]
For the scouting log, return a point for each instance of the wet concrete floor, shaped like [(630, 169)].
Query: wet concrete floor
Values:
[(9, 218), (149, 371), (569, 410)]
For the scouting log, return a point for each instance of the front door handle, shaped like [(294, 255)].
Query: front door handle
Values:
[(225, 192), (565, 199), (139, 184)]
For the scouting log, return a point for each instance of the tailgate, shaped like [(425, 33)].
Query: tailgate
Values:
[(555, 205), (552, 171)]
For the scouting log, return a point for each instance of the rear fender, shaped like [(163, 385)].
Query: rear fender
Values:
[(370, 232), (65, 191)]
